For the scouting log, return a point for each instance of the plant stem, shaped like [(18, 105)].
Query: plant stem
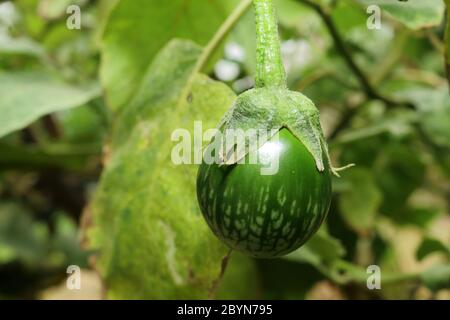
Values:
[(396, 51), (370, 91), (221, 33), (269, 67), (51, 126), (358, 274), (447, 41), (394, 278), (212, 45)]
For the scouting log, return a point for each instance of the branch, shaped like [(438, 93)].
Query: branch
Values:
[(350, 273), (215, 41), (341, 46), (51, 126), (221, 33), (348, 115), (370, 91)]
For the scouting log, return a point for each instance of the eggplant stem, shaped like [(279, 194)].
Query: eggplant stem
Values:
[(269, 66)]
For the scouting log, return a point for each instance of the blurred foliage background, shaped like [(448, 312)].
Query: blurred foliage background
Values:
[(85, 122)]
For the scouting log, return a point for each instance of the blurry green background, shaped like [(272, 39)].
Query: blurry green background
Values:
[(73, 102)]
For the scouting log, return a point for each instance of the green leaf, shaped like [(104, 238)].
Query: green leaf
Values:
[(433, 110), (21, 238), (19, 46), (417, 216), (359, 205), (26, 96), (86, 124), (398, 172), (322, 248), (65, 242), (429, 246), (137, 29), (437, 277), (54, 9), (153, 240), (291, 13), (415, 14), (323, 252), (347, 16), (395, 124)]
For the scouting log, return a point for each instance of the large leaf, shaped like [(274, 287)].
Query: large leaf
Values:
[(415, 14), (154, 242), (137, 29), (24, 97)]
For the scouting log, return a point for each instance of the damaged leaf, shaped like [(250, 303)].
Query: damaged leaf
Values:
[(153, 240)]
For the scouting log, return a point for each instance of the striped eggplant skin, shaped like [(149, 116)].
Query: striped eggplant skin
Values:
[(266, 216)]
